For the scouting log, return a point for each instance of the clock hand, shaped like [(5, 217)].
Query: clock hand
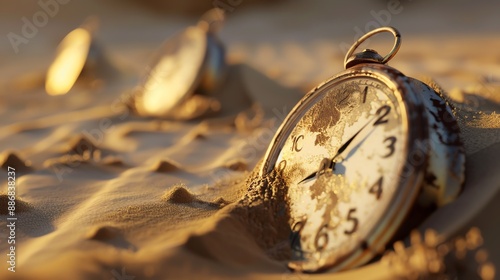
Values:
[(348, 152), (330, 163), (325, 163), (348, 142)]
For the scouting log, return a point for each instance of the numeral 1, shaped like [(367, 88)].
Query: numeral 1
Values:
[(365, 92)]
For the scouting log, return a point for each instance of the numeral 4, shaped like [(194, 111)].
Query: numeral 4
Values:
[(376, 188)]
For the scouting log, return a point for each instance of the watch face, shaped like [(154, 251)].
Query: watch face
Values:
[(341, 153), (174, 74)]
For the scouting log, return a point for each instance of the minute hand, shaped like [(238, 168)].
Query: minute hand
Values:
[(330, 162), (362, 131)]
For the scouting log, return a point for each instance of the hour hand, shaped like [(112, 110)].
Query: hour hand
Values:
[(324, 165), (327, 163)]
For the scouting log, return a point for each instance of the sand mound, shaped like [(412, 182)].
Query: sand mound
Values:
[(21, 206), (251, 233), (67, 160), (103, 233), (199, 136), (81, 145), (263, 213), (250, 119), (110, 235), (221, 202), (166, 166), (83, 150), (11, 159), (179, 194), (228, 241), (112, 161), (237, 165)]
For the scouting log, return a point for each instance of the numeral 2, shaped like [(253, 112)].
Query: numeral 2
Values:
[(383, 112)]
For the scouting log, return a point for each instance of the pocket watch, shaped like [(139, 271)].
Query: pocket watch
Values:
[(78, 57), (192, 61), (365, 156)]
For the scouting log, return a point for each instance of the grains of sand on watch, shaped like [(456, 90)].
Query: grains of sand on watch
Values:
[(427, 258), (264, 211)]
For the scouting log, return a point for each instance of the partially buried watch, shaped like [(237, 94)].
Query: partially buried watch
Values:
[(359, 154), (192, 61)]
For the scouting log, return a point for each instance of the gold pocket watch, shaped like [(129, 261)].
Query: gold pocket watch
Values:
[(365, 156), (192, 61), (79, 58)]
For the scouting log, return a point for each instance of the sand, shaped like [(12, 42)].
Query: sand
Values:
[(106, 194)]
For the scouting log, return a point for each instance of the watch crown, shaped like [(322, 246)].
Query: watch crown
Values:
[(366, 56)]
